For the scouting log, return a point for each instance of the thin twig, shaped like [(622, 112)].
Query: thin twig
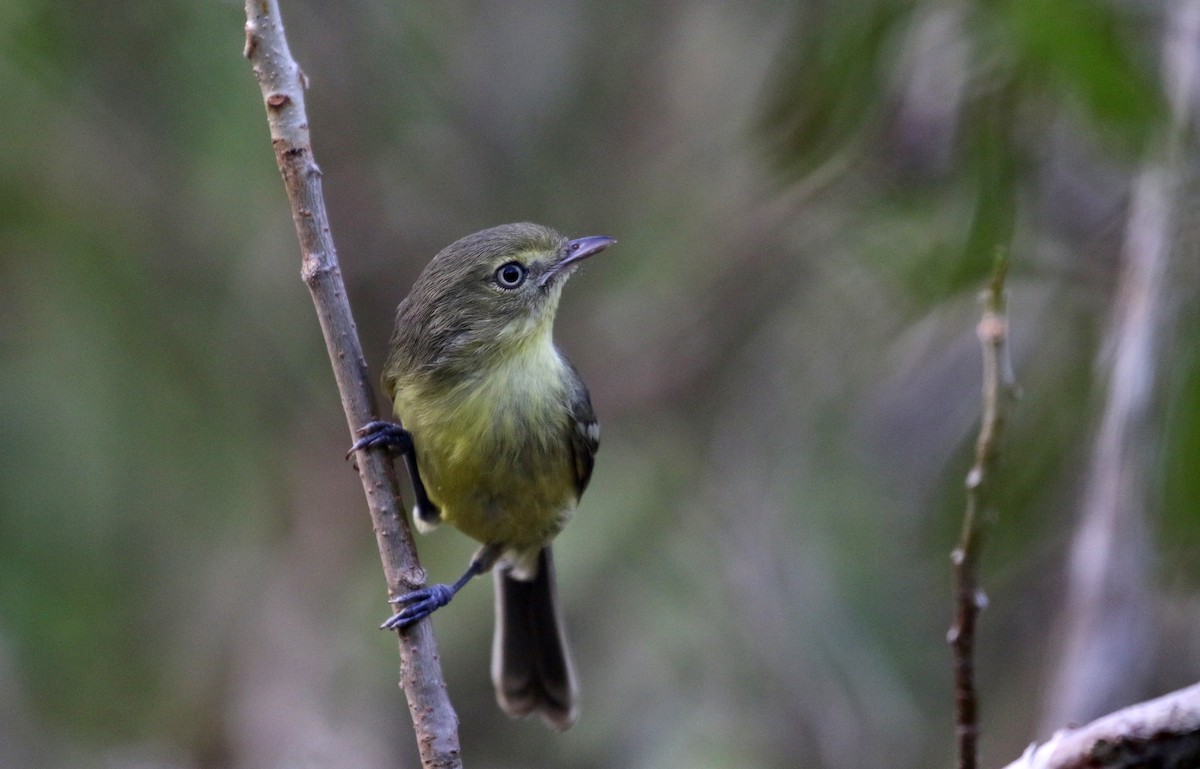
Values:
[(1163, 732), (999, 390), (283, 85)]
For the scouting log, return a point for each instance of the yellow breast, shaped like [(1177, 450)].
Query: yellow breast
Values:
[(493, 450)]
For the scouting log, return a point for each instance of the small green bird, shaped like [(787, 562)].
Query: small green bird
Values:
[(499, 438)]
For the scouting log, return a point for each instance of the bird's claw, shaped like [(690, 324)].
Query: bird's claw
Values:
[(381, 433), (418, 605), (395, 439)]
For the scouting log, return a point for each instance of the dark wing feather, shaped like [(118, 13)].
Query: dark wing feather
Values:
[(583, 431)]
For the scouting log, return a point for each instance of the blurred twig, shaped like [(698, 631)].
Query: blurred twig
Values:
[(1109, 614), (1161, 732), (999, 390), (283, 85)]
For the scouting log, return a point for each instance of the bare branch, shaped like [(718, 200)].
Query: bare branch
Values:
[(999, 390), (283, 85), (1164, 732)]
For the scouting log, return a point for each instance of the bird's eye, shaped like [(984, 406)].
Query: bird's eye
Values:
[(511, 275)]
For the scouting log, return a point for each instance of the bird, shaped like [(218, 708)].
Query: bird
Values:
[(498, 433)]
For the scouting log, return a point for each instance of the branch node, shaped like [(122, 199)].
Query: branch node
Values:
[(251, 40)]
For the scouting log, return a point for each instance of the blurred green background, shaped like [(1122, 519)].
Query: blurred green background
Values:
[(808, 197)]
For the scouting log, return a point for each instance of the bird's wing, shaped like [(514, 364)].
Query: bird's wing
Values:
[(583, 430)]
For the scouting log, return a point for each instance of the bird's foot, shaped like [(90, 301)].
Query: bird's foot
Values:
[(396, 440), (418, 605), (388, 435)]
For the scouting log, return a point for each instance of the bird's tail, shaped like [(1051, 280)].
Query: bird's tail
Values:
[(531, 667)]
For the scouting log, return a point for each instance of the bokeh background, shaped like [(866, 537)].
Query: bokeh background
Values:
[(808, 198)]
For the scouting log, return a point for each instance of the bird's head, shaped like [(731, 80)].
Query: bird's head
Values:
[(499, 288)]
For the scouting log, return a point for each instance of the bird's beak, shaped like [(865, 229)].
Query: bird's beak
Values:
[(575, 252)]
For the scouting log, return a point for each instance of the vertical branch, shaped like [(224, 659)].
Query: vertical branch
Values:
[(999, 390), (283, 85), (1109, 603)]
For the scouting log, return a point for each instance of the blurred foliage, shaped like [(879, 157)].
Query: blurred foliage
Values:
[(781, 349)]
